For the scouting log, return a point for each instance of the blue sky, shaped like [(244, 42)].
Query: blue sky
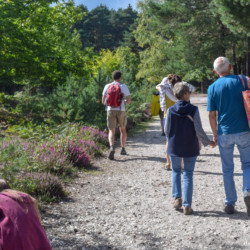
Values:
[(111, 4)]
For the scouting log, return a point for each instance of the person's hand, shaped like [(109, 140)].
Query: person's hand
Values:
[(215, 139), (212, 144)]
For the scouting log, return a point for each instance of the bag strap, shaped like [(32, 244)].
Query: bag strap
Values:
[(243, 82), (116, 83), (248, 82), (190, 117)]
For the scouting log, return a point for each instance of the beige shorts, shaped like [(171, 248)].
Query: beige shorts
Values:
[(115, 118)]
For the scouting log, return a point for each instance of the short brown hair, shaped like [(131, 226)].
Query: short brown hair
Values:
[(116, 75), (173, 78)]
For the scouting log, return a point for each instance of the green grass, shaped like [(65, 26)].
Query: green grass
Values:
[(139, 128)]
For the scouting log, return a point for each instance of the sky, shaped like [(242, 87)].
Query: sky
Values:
[(111, 4)]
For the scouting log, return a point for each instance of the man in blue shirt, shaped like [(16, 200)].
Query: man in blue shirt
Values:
[(231, 128)]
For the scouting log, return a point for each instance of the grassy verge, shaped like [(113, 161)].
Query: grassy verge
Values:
[(140, 127), (40, 163)]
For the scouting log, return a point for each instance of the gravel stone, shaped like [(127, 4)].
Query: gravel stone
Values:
[(127, 203)]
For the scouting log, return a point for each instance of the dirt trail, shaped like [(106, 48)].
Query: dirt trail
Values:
[(127, 204)]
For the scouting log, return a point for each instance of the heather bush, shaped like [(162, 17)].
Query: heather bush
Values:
[(90, 147), (36, 166), (78, 155), (95, 134), (58, 154), (44, 186), (16, 146), (52, 159), (77, 144)]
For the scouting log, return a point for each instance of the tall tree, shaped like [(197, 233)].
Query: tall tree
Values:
[(181, 36), (37, 43), (102, 28), (235, 15), (122, 20)]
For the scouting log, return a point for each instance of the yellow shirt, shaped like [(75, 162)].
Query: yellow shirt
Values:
[(169, 103)]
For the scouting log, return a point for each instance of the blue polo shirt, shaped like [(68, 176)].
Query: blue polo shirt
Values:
[(225, 96)]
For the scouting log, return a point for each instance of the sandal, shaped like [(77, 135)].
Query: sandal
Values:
[(167, 166)]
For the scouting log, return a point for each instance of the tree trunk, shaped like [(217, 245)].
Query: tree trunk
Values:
[(235, 71), (202, 87), (222, 49), (248, 57), (239, 65), (244, 65)]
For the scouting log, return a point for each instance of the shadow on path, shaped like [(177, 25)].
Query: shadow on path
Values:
[(220, 214), (198, 172), (216, 155)]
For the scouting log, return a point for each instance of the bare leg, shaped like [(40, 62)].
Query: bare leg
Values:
[(167, 156), (111, 137), (123, 136), (111, 143), (168, 164)]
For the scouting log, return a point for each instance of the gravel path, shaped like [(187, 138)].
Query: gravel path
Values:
[(127, 204)]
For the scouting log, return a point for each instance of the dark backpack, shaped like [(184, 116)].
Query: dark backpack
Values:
[(114, 95)]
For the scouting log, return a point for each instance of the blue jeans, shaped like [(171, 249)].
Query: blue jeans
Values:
[(189, 163), (226, 146)]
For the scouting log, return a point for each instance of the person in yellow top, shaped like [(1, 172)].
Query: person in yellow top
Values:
[(167, 99), (156, 110)]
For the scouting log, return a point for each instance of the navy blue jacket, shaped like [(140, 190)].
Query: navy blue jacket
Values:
[(182, 140)]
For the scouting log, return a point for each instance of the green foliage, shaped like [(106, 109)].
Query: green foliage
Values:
[(233, 14), (15, 156), (76, 100), (45, 187), (37, 43), (6, 103), (158, 34), (102, 28), (183, 37), (39, 167), (198, 75), (122, 59), (126, 61)]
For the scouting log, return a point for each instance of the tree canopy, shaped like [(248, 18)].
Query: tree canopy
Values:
[(37, 43), (234, 14), (102, 28), (184, 37)]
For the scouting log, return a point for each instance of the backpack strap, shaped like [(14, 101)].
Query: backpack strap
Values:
[(243, 82)]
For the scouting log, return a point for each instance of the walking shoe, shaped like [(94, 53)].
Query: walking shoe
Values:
[(167, 166), (247, 202), (187, 210), (177, 203), (229, 209), (123, 151), (163, 134), (111, 153)]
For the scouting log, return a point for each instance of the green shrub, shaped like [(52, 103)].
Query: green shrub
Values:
[(16, 156), (45, 187)]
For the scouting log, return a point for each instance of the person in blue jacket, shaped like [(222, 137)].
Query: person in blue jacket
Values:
[(184, 130)]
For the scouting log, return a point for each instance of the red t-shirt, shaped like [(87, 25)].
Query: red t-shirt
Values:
[(20, 228)]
